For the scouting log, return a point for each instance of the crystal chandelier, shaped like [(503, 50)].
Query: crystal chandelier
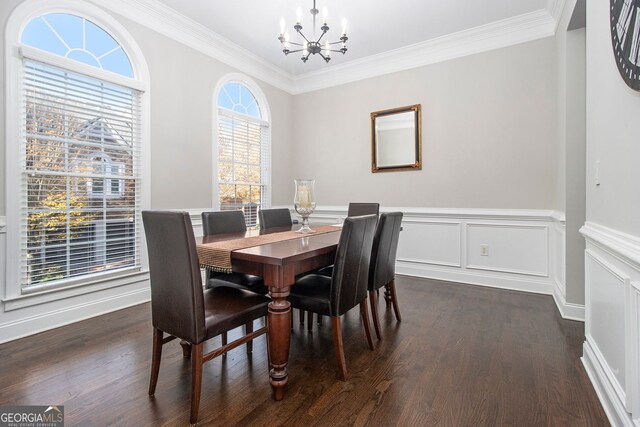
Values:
[(313, 45)]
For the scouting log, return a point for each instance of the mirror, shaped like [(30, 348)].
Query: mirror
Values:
[(396, 139)]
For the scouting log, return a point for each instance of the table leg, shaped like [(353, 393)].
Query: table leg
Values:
[(279, 324)]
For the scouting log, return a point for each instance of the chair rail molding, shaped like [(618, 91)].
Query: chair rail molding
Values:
[(611, 353)]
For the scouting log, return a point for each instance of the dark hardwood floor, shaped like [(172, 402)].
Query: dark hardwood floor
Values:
[(462, 356)]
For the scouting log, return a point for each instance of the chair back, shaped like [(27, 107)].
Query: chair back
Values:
[(351, 268), (177, 306), (382, 269), (358, 209), (273, 218), (221, 222)]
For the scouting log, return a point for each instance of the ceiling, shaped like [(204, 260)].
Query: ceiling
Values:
[(373, 26)]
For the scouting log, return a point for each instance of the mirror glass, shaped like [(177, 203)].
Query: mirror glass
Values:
[(395, 139)]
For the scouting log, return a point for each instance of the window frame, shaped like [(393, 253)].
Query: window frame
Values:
[(265, 113), (15, 296)]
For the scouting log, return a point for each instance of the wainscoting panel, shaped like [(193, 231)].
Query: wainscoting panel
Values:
[(445, 244), (442, 247), (435, 243), (511, 248), (605, 315), (634, 348), (611, 353)]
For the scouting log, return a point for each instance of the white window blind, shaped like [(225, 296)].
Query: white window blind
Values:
[(243, 159), (80, 176)]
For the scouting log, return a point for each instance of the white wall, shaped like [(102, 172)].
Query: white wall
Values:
[(612, 327), (612, 133), (489, 123)]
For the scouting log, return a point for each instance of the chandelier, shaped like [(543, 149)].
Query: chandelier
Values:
[(314, 45)]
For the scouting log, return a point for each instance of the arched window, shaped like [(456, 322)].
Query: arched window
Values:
[(243, 148), (80, 152), (78, 39)]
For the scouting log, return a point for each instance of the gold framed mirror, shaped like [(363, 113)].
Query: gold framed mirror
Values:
[(396, 139)]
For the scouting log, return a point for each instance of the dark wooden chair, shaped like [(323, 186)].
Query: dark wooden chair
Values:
[(355, 209), (358, 209), (274, 218), (181, 308), (347, 288), (382, 270), (223, 222)]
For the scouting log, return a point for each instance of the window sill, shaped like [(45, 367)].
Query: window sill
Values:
[(97, 284)]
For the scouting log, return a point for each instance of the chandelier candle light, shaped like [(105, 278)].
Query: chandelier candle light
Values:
[(313, 46), (305, 202)]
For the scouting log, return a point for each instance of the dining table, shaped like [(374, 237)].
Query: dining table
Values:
[(278, 263)]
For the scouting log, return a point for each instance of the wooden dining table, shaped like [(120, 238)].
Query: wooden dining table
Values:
[(278, 264)]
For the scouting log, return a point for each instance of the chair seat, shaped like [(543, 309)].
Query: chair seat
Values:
[(228, 308), (238, 281), (312, 293), (326, 271)]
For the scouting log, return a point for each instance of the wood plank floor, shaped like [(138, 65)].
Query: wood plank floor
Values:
[(463, 356)]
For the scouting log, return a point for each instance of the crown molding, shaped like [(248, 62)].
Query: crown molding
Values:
[(508, 32), (555, 8), (168, 22), (165, 20)]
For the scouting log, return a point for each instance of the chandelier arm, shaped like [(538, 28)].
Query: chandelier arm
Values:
[(321, 36), (303, 36), (295, 51), (294, 43), (338, 42), (326, 58)]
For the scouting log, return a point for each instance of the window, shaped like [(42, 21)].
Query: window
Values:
[(80, 146), (106, 179), (243, 151)]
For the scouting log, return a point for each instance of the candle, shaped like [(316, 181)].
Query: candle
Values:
[(304, 197)]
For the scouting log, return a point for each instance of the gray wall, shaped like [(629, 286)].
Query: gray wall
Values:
[(489, 133), (613, 110), (489, 123), (575, 164), (182, 85), (571, 147)]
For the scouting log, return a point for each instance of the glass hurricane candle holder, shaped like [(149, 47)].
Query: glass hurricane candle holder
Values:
[(305, 202)]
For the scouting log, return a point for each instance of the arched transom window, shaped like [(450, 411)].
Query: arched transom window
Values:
[(243, 151), (78, 39)]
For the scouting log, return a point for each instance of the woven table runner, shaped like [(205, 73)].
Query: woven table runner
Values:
[(216, 256)]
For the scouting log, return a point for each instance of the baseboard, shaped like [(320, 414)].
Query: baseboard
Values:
[(54, 319), (568, 310), (499, 281), (618, 416)]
